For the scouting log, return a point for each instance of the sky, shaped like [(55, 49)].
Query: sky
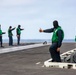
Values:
[(35, 14)]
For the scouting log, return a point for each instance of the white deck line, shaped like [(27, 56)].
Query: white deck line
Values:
[(62, 64), (6, 50)]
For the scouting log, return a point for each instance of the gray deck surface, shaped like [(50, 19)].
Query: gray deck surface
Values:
[(30, 62)]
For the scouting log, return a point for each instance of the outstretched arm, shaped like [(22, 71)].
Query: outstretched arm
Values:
[(21, 29), (13, 28), (3, 32), (47, 30)]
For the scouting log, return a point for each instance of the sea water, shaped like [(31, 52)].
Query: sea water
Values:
[(37, 40)]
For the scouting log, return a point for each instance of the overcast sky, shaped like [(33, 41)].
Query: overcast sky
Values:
[(35, 14)]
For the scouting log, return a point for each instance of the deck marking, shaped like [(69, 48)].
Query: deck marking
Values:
[(6, 50), (48, 63)]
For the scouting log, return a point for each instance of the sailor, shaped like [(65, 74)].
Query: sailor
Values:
[(75, 38), (57, 38), (1, 42), (10, 35), (18, 32)]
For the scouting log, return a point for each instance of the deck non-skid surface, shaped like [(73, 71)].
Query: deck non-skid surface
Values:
[(31, 61)]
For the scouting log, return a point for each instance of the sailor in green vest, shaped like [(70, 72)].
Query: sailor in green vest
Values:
[(18, 32), (10, 35), (57, 38), (1, 37), (75, 38)]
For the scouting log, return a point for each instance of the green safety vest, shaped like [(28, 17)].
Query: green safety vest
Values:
[(18, 30), (55, 37), (75, 38), (0, 32), (9, 33)]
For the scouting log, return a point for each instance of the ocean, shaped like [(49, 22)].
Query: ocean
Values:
[(37, 40)]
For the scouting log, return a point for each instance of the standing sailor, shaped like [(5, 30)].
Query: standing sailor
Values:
[(57, 39), (10, 35), (18, 32), (75, 38), (1, 42)]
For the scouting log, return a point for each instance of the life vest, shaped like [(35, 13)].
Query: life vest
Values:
[(10, 33), (55, 37), (0, 32), (75, 38), (18, 31)]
